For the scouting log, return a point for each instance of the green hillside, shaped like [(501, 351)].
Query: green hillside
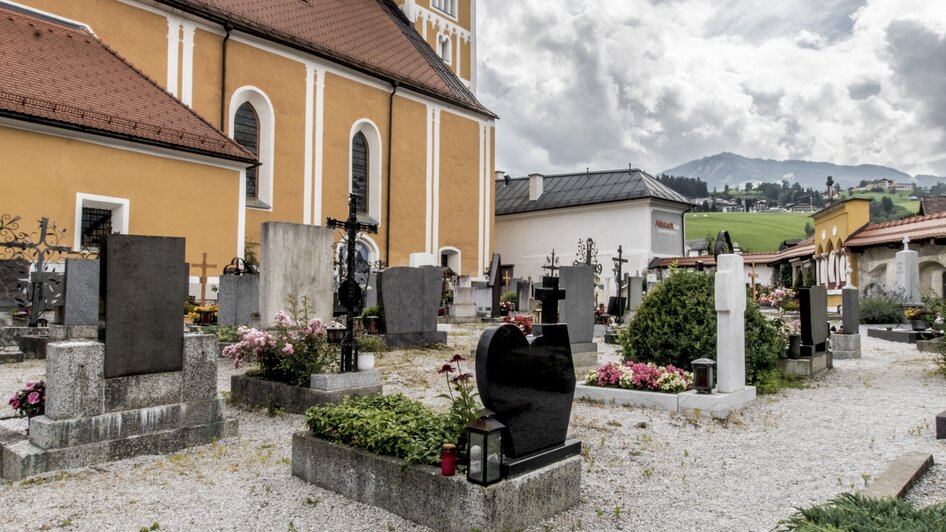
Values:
[(900, 197), (754, 231)]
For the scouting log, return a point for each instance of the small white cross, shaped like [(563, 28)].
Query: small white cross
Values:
[(906, 242)]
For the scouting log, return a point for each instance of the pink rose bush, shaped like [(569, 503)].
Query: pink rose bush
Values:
[(641, 376), (291, 352), (776, 297), (30, 401)]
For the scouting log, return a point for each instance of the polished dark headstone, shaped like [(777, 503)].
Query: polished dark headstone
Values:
[(850, 310), (616, 306), (143, 285), (549, 294), (813, 303), (529, 387), (495, 284)]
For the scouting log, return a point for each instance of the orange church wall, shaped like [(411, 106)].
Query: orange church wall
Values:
[(167, 197), (459, 188), (408, 179), (135, 34), (283, 81), (208, 54)]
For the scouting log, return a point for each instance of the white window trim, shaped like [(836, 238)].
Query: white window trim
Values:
[(456, 252), (373, 135), (449, 8), (267, 138), (444, 38), (374, 253), (120, 207)]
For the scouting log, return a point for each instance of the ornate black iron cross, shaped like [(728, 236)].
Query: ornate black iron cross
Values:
[(618, 264), (352, 227), (551, 264), (40, 252)]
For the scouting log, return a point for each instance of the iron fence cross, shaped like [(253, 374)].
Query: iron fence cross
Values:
[(352, 227), (42, 250)]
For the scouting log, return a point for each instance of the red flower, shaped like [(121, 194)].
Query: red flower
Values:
[(446, 368), (463, 377), (457, 358)]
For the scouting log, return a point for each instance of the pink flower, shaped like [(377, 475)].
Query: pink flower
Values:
[(288, 349), (15, 403), (32, 398)]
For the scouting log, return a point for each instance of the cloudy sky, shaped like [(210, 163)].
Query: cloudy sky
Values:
[(656, 83)]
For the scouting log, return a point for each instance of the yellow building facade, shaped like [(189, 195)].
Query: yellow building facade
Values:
[(427, 152), (835, 266)]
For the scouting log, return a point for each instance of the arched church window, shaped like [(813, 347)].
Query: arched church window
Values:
[(359, 171), (246, 134)]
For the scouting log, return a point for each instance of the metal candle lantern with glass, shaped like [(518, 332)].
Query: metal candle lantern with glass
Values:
[(704, 375), (485, 440)]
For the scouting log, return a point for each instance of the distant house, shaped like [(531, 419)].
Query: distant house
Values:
[(801, 206), (696, 247), (628, 208)]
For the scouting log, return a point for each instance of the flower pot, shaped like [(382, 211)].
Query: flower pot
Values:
[(503, 311), (371, 324), (794, 345), (365, 361), (919, 325)]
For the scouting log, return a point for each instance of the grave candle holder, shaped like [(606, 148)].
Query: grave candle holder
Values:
[(485, 437), (704, 375), (448, 460)]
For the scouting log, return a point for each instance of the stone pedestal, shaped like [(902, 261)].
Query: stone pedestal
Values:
[(92, 419), (845, 346), (805, 366)]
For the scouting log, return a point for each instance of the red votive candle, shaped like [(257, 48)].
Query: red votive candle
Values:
[(448, 460)]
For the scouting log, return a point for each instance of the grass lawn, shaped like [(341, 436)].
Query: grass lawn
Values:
[(901, 197), (754, 231)]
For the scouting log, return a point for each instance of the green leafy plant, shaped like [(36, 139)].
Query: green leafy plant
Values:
[(676, 324), (392, 425), (224, 333), (880, 308), (370, 343), (373, 310), (855, 513), (461, 392), (509, 297)]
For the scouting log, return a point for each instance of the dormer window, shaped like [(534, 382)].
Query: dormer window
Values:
[(444, 48), (447, 6)]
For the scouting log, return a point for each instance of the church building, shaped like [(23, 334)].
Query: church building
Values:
[(320, 98)]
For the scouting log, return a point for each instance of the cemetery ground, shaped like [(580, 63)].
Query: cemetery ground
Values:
[(641, 469)]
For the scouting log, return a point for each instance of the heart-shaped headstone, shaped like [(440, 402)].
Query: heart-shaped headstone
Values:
[(530, 387)]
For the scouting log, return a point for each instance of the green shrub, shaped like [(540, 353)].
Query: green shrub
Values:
[(373, 310), (880, 308), (370, 343), (676, 324), (509, 297), (391, 425), (224, 333), (856, 513)]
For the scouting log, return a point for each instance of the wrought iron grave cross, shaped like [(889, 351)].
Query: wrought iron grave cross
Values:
[(549, 294), (41, 251), (551, 264), (352, 227)]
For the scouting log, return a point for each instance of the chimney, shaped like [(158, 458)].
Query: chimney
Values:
[(536, 186), (499, 174)]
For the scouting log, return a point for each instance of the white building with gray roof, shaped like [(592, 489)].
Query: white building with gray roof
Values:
[(626, 208)]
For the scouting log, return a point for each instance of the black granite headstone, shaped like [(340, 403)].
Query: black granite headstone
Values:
[(529, 387), (616, 306), (494, 282), (850, 310), (143, 286), (813, 303)]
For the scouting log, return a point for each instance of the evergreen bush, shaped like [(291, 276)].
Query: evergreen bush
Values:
[(880, 308), (857, 513), (676, 324)]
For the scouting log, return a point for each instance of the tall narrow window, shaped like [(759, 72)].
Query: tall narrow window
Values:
[(246, 133), (359, 171), (444, 49)]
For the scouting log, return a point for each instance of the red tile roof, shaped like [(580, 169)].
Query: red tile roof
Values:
[(372, 36), (916, 228), (805, 248), (64, 76), (759, 259)]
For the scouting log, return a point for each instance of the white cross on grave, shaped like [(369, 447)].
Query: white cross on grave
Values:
[(730, 324)]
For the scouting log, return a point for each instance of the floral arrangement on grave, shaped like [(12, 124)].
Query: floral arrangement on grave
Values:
[(290, 353), (777, 298), (522, 321), (788, 328), (203, 315), (30, 401), (461, 391), (915, 313), (641, 376)]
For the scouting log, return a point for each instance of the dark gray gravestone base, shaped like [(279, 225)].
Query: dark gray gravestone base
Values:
[(409, 299), (903, 335), (144, 285), (415, 338)]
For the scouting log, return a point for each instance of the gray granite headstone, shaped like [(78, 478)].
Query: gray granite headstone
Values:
[(908, 275), (409, 299), (237, 299), (577, 309), (636, 292), (296, 259), (81, 292), (813, 303), (371, 296), (143, 285), (524, 296), (483, 295), (850, 310)]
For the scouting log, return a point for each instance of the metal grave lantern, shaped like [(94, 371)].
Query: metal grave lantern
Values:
[(704, 375), (485, 440)]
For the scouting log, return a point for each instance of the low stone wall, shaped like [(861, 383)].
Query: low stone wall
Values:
[(294, 399), (421, 494), (718, 405)]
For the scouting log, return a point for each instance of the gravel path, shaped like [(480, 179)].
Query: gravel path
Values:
[(643, 469)]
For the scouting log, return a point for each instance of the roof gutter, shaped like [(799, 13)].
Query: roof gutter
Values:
[(223, 77), (387, 193)]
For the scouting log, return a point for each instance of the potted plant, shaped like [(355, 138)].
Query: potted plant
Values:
[(507, 303), (917, 318), (368, 347), (369, 318), (791, 331)]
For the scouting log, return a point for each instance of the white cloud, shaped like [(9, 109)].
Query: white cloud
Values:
[(656, 83)]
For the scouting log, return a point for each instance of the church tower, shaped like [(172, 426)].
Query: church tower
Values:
[(449, 27)]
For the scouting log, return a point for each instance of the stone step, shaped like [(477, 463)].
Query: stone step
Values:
[(10, 357), (897, 480)]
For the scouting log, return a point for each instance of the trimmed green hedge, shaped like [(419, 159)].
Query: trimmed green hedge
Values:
[(676, 324)]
